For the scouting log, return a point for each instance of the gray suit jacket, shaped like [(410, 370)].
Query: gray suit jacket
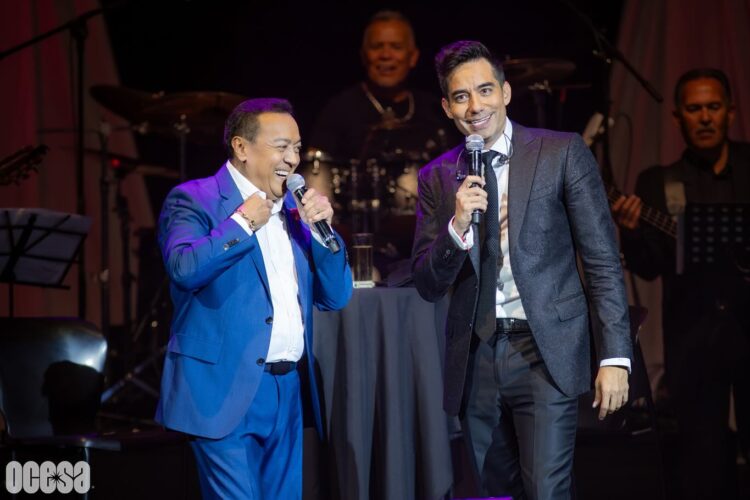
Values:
[(557, 208)]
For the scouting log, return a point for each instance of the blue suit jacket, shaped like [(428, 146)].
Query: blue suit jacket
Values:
[(223, 313), (557, 211)]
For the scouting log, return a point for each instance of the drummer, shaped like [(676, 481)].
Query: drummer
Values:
[(382, 117)]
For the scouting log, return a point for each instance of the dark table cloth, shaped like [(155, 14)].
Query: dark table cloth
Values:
[(381, 365)]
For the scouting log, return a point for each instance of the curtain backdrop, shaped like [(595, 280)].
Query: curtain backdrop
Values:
[(663, 39), (37, 96)]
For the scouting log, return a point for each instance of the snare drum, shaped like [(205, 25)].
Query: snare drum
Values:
[(401, 171), (404, 191)]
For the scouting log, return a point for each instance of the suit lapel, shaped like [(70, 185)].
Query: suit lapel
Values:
[(523, 164), (231, 199)]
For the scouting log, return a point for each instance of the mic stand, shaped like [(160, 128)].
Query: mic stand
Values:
[(126, 278), (182, 129), (606, 53), (104, 274), (134, 375), (79, 32), (123, 212)]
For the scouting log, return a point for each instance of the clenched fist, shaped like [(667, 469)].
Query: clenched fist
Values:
[(256, 211)]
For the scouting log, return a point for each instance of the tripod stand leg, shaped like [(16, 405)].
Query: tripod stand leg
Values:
[(131, 377)]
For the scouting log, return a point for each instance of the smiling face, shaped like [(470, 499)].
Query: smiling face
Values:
[(476, 100), (704, 114), (389, 53), (267, 160)]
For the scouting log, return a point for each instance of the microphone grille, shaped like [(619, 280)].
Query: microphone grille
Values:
[(294, 182), (474, 142)]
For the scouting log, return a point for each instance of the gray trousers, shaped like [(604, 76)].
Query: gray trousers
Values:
[(519, 425)]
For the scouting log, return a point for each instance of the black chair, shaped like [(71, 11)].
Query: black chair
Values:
[(51, 381), (50, 376)]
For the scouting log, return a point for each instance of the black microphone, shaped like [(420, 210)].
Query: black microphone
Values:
[(474, 145), (296, 184)]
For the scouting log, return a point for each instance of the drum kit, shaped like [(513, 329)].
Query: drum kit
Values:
[(387, 183)]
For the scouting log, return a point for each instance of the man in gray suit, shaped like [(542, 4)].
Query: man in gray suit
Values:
[(517, 334)]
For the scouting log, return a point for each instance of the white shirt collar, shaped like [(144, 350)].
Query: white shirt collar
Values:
[(502, 144), (247, 188)]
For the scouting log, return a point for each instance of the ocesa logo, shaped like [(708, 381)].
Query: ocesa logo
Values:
[(48, 477)]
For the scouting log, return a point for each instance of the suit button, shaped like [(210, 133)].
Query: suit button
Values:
[(260, 362), (226, 246), (269, 320)]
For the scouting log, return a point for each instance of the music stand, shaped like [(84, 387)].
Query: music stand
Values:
[(713, 237), (38, 246)]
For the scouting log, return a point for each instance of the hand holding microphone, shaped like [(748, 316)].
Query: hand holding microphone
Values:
[(474, 145), (471, 198), (315, 210)]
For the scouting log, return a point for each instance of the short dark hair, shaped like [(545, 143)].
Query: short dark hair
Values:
[(243, 120), (698, 73), (383, 16), (455, 54)]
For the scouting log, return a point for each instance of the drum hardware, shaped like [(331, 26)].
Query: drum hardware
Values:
[(526, 72), (124, 165), (368, 191), (535, 76), (102, 132), (195, 115)]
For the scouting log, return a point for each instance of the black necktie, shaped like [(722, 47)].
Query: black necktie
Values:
[(485, 321)]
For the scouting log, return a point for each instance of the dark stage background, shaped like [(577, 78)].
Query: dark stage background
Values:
[(307, 52)]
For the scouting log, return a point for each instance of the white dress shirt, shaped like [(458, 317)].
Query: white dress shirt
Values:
[(287, 332), (507, 299)]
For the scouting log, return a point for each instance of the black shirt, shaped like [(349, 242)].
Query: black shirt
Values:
[(343, 126), (691, 298)]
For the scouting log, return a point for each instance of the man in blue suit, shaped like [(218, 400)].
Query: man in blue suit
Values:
[(245, 272), (517, 333)]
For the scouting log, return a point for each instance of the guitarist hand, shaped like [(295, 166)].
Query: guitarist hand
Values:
[(627, 210)]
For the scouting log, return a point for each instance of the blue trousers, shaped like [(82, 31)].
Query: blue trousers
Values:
[(262, 458)]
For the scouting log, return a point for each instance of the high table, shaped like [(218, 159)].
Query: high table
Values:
[(381, 364)]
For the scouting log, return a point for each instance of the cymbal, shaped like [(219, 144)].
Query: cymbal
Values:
[(528, 71), (125, 165), (314, 154), (202, 113), (388, 125), (124, 102), (155, 171)]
